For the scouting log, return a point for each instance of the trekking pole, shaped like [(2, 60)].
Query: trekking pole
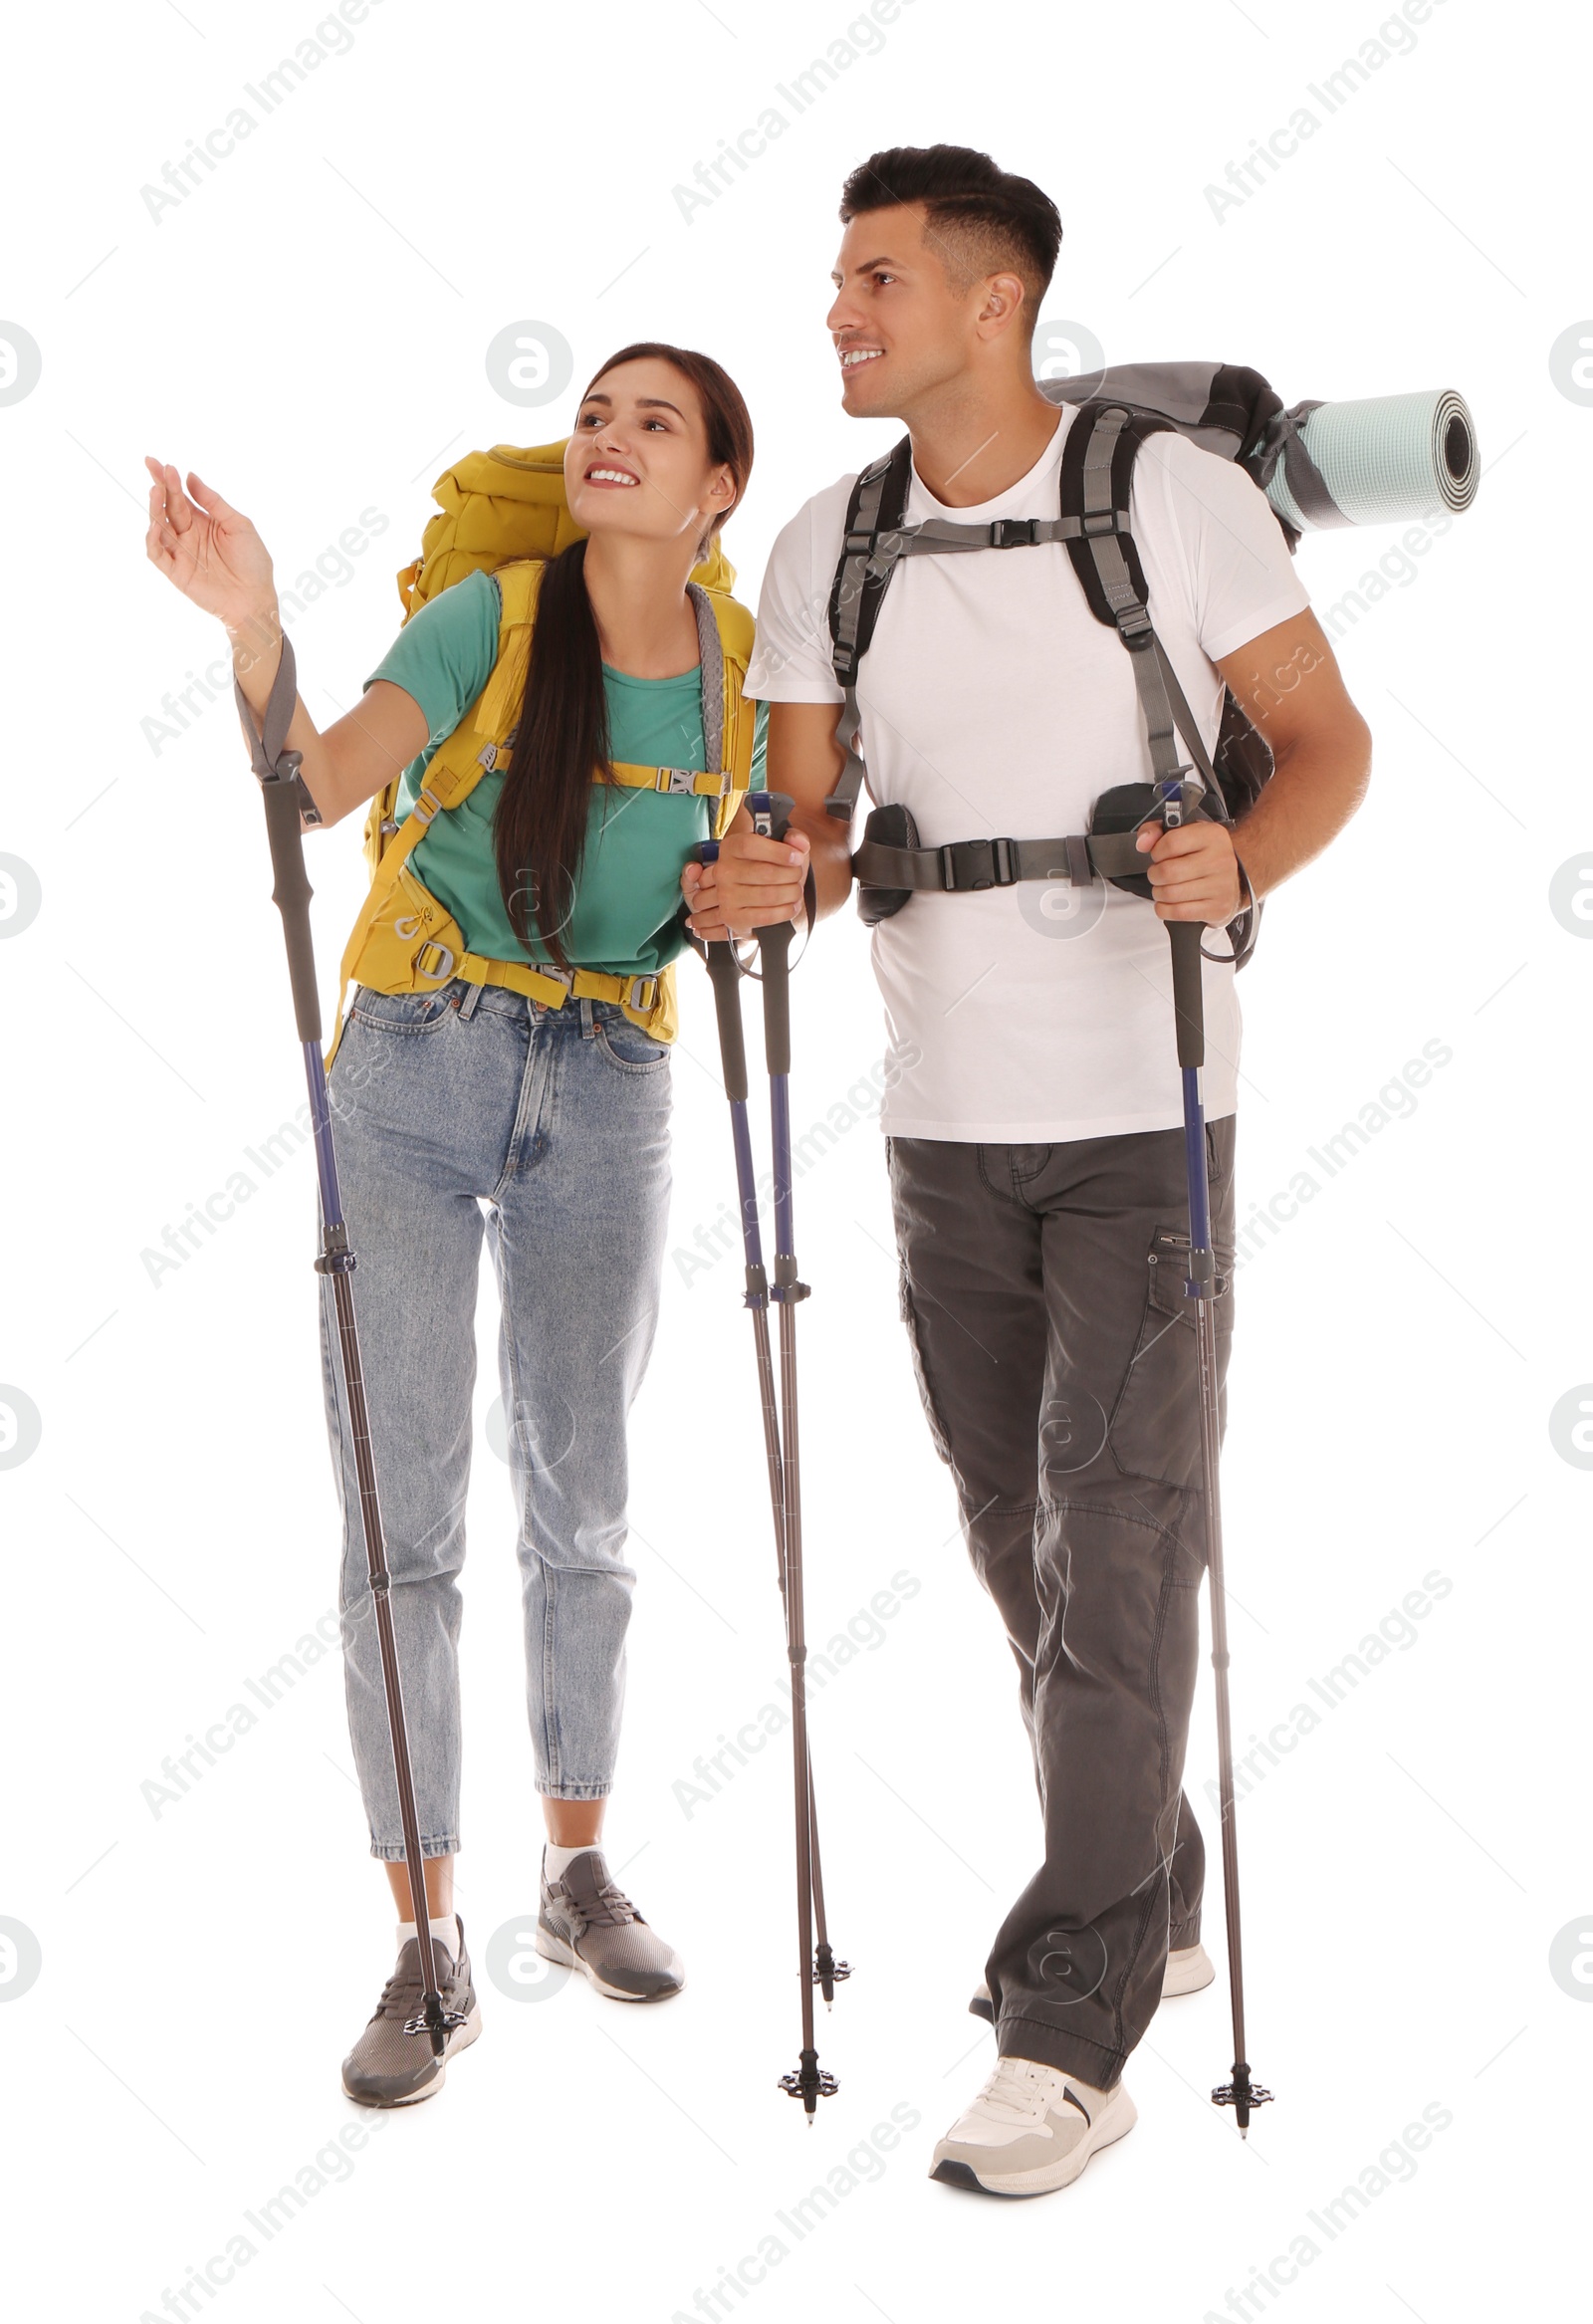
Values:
[(818, 1965), (726, 974), (285, 798), (1200, 1285), (770, 813), (829, 1971)]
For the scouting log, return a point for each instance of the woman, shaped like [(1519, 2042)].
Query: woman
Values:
[(514, 1088)]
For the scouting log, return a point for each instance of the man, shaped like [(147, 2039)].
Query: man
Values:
[(1034, 1114)]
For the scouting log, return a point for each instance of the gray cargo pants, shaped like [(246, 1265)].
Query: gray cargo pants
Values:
[(1042, 1289)]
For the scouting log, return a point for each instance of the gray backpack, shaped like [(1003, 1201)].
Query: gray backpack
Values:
[(1224, 410)]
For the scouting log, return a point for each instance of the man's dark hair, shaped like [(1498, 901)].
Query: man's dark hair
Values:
[(983, 218)]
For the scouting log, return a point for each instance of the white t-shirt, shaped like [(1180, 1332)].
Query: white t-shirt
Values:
[(993, 704)]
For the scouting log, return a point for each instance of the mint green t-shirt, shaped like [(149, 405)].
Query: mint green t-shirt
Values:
[(625, 916)]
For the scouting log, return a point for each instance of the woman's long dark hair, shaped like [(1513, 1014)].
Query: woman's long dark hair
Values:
[(540, 824)]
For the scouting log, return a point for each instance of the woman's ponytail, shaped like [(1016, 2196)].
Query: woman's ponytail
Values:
[(540, 827)]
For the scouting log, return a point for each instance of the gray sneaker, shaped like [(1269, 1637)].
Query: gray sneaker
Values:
[(388, 2067), (587, 1923)]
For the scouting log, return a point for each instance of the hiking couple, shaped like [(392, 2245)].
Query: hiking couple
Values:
[(510, 1075)]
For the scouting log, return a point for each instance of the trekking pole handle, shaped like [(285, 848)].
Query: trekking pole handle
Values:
[(1188, 999), (771, 812), (725, 974), (287, 800), (291, 893)]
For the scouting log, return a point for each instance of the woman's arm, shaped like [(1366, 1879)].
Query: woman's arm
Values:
[(213, 554)]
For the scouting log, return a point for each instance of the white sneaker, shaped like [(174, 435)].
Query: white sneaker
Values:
[(1029, 2131), (1186, 1972)]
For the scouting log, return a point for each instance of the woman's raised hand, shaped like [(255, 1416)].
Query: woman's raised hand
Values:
[(208, 549)]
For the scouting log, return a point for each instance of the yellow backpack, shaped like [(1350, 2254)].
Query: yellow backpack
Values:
[(504, 512)]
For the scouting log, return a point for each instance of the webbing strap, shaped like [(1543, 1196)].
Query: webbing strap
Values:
[(682, 780), (842, 800), (967, 865), (1305, 481), (440, 963), (936, 536)]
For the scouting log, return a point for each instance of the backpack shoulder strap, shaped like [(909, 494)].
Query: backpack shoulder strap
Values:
[(489, 716), (869, 548), (730, 626), (1097, 477), (456, 766)]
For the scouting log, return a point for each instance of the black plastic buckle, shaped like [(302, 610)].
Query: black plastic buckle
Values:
[(1013, 533), (991, 859)]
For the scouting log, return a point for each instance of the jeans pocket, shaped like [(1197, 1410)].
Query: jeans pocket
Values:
[(625, 1044), (1155, 1429), (403, 1012)]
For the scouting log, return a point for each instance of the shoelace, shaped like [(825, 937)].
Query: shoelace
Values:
[(1024, 2089), (401, 1995), (611, 1908)]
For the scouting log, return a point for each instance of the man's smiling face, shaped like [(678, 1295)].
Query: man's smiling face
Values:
[(901, 326)]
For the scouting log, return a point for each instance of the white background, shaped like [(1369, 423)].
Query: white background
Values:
[(308, 330)]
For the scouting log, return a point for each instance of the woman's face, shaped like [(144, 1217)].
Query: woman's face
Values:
[(637, 462)]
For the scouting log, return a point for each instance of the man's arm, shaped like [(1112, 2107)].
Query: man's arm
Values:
[(758, 881), (1290, 685)]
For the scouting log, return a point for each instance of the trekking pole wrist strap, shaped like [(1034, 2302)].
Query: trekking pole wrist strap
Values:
[(272, 761), (1243, 930)]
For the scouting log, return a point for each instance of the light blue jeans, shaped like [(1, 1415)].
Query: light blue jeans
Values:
[(455, 1112)]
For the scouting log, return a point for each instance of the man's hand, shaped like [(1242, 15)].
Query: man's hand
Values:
[(755, 883), (1192, 871)]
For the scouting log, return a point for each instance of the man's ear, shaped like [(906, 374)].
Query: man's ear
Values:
[(1001, 305)]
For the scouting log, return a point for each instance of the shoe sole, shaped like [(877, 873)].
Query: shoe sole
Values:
[(555, 1949), (461, 2039), (1104, 2132), (1186, 1980)]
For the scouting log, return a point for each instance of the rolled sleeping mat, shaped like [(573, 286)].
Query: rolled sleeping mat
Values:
[(1371, 462)]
